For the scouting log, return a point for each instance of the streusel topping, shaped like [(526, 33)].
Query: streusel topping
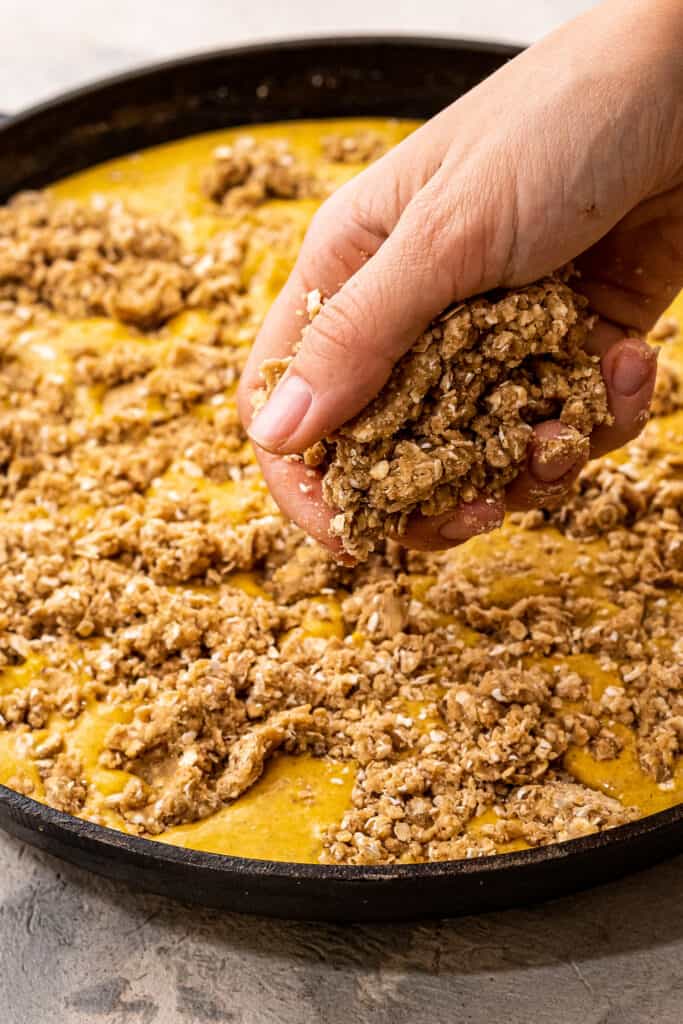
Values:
[(167, 640), (455, 418)]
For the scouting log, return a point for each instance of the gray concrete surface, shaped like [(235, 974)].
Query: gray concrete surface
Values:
[(75, 949)]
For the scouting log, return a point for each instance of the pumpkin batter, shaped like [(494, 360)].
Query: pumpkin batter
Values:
[(94, 716)]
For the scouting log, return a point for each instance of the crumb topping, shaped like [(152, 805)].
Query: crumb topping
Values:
[(668, 396), (245, 173), (165, 633), (360, 148), (101, 259), (454, 420)]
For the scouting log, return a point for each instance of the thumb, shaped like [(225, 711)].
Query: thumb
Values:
[(349, 349)]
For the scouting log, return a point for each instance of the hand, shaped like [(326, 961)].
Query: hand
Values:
[(574, 150)]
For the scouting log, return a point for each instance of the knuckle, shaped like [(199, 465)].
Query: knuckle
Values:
[(338, 241), (433, 238), (432, 215), (552, 495), (331, 341), (462, 228), (366, 210), (526, 493), (326, 220), (336, 332), (342, 331)]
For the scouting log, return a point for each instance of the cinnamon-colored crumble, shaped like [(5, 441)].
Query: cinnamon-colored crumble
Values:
[(470, 689), (668, 396), (246, 172), (455, 418), (361, 147), (98, 259), (665, 328)]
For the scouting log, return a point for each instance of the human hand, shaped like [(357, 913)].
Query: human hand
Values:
[(574, 150)]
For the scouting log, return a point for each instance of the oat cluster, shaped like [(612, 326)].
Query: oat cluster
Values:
[(360, 148), (455, 418), (149, 580), (247, 172), (99, 259)]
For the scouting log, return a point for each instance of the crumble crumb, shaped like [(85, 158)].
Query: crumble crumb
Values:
[(361, 147), (455, 418), (102, 259), (668, 396), (148, 577), (246, 172)]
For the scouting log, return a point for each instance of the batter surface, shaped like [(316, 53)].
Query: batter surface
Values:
[(179, 663)]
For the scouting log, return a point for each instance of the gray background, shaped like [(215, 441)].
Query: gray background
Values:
[(78, 950), (53, 44)]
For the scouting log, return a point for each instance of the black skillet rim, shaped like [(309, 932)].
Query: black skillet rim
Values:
[(148, 70), (323, 42), (105, 838), (25, 816)]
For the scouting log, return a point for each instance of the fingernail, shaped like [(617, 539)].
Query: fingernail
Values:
[(632, 370), (552, 458), (480, 516), (282, 413)]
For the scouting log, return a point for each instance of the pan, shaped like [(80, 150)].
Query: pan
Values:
[(323, 78)]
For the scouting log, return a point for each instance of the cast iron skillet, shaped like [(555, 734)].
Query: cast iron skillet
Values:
[(398, 77)]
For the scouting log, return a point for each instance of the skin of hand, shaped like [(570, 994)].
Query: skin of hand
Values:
[(571, 151)]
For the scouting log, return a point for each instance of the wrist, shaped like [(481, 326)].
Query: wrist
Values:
[(625, 58), (652, 31)]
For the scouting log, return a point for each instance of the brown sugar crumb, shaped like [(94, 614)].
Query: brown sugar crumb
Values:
[(561, 810), (246, 172), (102, 259), (154, 602), (668, 396), (455, 418), (361, 147), (665, 329), (66, 788)]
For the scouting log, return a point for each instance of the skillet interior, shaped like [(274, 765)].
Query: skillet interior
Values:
[(328, 78), (407, 78)]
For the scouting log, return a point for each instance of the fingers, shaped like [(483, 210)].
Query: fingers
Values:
[(557, 454), (602, 337), (435, 533), (629, 368), (297, 489)]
